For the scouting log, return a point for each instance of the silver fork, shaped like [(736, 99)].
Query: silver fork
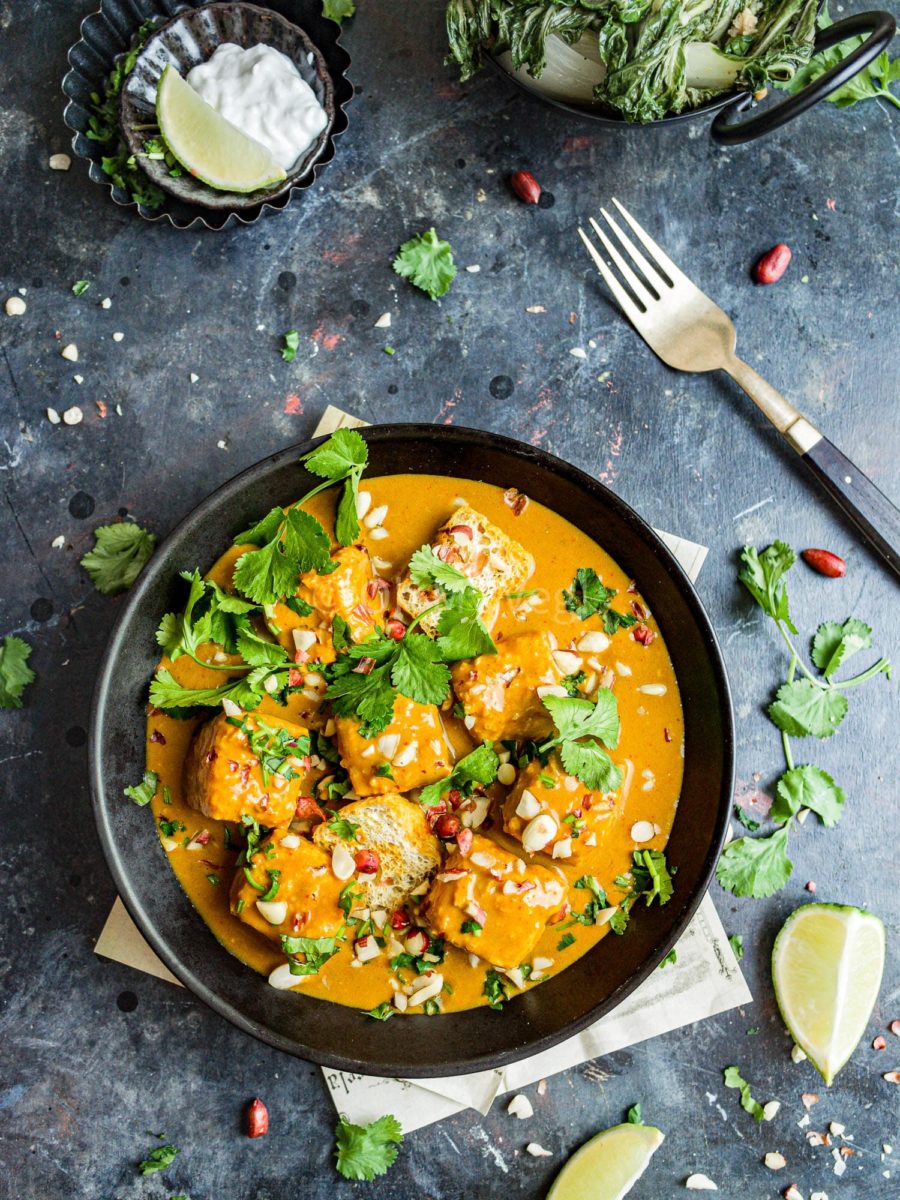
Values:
[(691, 333)]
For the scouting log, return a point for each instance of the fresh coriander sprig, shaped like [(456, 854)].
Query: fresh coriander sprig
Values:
[(15, 673), (427, 261), (813, 706), (119, 554), (583, 729), (589, 597), (477, 769), (365, 1151)]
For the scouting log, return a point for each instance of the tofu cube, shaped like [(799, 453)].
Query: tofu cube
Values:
[(396, 831), (499, 691), (493, 904), (410, 753), (305, 901), (573, 819), (225, 779), (487, 556)]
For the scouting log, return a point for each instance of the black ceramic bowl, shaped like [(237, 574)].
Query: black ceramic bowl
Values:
[(192, 38), (412, 1046)]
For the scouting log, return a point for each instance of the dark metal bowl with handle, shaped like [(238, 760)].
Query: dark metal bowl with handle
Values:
[(727, 128), (329, 1033)]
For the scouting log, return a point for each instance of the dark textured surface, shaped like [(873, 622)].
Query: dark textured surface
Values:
[(86, 1070)]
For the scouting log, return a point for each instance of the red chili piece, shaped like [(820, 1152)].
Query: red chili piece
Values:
[(396, 630), (367, 862), (257, 1119), (825, 562), (643, 634), (399, 920), (447, 826), (773, 264)]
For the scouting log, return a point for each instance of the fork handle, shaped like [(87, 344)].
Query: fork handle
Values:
[(856, 495)]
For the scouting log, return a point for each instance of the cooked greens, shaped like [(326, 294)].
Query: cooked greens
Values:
[(656, 57)]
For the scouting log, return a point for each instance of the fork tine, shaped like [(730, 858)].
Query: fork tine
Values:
[(637, 286), (652, 275), (628, 306), (656, 252)]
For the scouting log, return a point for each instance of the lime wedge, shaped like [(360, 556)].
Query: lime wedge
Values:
[(207, 145), (826, 966), (609, 1165)]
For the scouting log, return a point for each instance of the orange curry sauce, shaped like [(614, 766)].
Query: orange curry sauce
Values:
[(650, 749)]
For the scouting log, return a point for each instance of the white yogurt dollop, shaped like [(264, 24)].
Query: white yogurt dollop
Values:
[(262, 93)]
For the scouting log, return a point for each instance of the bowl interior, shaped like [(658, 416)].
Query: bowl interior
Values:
[(190, 39), (329, 1033)]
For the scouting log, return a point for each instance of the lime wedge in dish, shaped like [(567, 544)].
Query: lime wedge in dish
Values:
[(609, 1165), (211, 148), (826, 966)]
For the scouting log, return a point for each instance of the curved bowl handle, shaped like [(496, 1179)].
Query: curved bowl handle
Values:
[(880, 26)]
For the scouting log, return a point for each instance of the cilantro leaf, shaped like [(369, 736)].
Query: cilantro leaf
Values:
[(337, 10), (343, 828), (427, 570), (315, 951), (79, 287), (745, 819), (736, 942), (651, 877), (256, 649), (365, 1151), (801, 709), (418, 670), (143, 792), (598, 722), (477, 768), (635, 1115), (291, 345), (167, 692), (763, 577), (756, 867), (872, 82), (427, 261), (119, 553), (733, 1079), (834, 643), (158, 1159), (807, 787), (15, 673), (334, 459), (271, 572), (369, 698), (587, 595), (494, 989), (670, 959), (461, 632), (210, 615), (382, 1012)]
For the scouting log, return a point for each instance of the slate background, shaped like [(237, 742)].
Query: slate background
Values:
[(94, 1054)]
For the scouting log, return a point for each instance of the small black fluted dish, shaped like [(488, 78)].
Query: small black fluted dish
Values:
[(332, 1034), (183, 35)]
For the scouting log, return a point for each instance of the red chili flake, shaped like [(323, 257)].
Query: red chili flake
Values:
[(157, 737), (201, 838), (455, 797), (515, 500), (245, 774), (211, 756), (364, 666), (643, 634), (101, 408), (639, 611), (666, 734), (879, 1043), (374, 586), (293, 405), (232, 765), (295, 678), (301, 657), (464, 840), (560, 916), (214, 866), (307, 808)]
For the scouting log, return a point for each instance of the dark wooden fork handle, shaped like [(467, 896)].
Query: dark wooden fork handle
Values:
[(867, 507)]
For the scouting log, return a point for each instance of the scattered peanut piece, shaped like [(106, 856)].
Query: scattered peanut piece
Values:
[(53, 416), (809, 1099), (775, 1161), (78, 378), (791, 1192), (536, 1150), (15, 306), (535, 308), (797, 1055), (384, 321), (59, 162), (474, 269), (70, 352), (818, 1196), (895, 1028), (811, 886), (892, 1076), (73, 415), (836, 1128), (520, 1106), (578, 352), (257, 1119), (194, 378), (879, 1043), (117, 337), (106, 302), (542, 1087), (58, 542), (700, 1183), (771, 1110)]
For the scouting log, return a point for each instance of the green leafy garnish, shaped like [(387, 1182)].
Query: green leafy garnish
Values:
[(338, 10), (429, 571), (381, 1012), (745, 819), (212, 615), (494, 989), (427, 262), (366, 1151), (635, 1115), (343, 828), (143, 792), (736, 942), (477, 769), (649, 878), (158, 1159), (733, 1079), (119, 553), (289, 543), (588, 597), (671, 957), (308, 955), (471, 927), (79, 287), (567, 940), (811, 706), (291, 345), (871, 83), (342, 459), (15, 673), (583, 728), (246, 693)]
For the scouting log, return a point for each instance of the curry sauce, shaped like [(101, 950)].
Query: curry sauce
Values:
[(537, 831)]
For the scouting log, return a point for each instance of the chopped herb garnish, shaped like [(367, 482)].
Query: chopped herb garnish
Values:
[(291, 345), (745, 819), (427, 261), (366, 1151), (635, 1115), (733, 1079), (170, 828), (385, 770), (213, 879), (471, 927), (389, 350), (381, 1012), (120, 551), (341, 459), (572, 683), (239, 907), (79, 287), (588, 598), (736, 942), (315, 952), (478, 769), (338, 10), (494, 989), (671, 957), (567, 940), (144, 792), (343, 828), (158, 1159), (583, 729)]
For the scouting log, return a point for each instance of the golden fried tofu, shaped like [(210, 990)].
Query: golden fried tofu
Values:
[(552, 811), (488, 557), (350, 592), (411, 752), (396, 832), (493, 904), (249, 765), (294, 891), (499, 692)]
